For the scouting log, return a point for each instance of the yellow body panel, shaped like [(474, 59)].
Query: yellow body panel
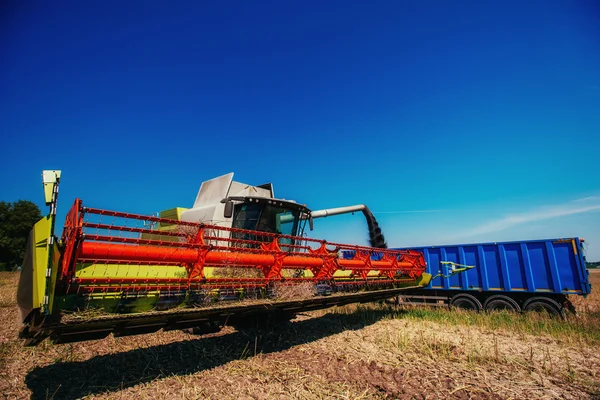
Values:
[(117, 271), (129, 271), (41, 233), (172, 213), (32, 283)]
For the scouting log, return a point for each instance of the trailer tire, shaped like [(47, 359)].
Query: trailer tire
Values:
[(544, 304), (500, 302), (466, 302)]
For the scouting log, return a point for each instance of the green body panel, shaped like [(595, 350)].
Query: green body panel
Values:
[(146, 271), (172, 213), (41, 256), (33, 284), (143, 271)]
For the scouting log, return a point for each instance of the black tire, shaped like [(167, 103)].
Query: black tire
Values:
[(544, 304), (500, 302), (465, 302)]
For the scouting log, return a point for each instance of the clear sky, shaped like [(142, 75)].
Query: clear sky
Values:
[(453, 121)]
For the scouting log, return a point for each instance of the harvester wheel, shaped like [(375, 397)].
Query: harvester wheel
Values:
[(544, 304), (466, 302), (499, 303)]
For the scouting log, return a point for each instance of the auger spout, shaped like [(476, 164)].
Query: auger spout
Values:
[(376, 238)]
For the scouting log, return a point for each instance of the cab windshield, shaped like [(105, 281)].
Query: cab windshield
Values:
[(266, 218)]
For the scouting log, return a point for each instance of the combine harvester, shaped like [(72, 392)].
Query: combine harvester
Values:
[(127, 274)]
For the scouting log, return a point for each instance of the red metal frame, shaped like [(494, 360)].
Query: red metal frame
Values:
[(195, 246)]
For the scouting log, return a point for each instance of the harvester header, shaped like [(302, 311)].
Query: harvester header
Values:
[(127, 273)]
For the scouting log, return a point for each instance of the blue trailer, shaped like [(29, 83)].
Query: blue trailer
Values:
[(531, 275)]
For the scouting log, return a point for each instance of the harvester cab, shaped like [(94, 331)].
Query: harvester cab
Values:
[(223, 202), (126, 274), (226, 203)]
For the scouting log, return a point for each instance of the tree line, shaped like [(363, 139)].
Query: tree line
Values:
[(16, 220), (595, 264)]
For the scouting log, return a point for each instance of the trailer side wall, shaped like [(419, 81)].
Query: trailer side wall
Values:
[(535, 266)]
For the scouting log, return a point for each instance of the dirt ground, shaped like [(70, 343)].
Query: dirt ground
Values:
[(365, 352)]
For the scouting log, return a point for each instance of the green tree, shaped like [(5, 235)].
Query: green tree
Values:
[(16, 221)]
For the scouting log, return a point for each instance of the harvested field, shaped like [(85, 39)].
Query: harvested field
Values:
[(358, 352)]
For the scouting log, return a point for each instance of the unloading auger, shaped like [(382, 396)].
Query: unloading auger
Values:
[(126, 274)]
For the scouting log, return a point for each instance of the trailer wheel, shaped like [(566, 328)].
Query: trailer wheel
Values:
[(466, 302), (499, 302), (544, 304)]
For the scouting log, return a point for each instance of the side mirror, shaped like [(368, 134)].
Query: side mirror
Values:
[(311, 223), (228, 212)]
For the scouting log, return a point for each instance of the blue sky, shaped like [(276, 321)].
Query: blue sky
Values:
[(483, 116)]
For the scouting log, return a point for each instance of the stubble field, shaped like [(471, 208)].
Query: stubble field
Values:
[(355, 352)]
